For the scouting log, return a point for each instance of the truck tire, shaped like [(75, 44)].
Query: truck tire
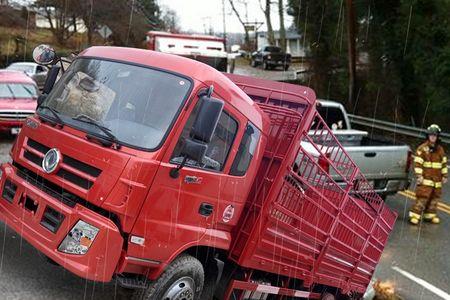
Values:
[(183, 279), (286, 67), (253, 63), (265, 65)]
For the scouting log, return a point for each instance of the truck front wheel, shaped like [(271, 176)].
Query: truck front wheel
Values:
[(182, 280)]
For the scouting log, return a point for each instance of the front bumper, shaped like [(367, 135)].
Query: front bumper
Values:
[(8, 125), (98, 264), (278, 62)]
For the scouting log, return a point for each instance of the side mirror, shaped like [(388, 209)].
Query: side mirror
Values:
[(207, 118), (44, 55), (192, 149), (52, 75), (202, 131)]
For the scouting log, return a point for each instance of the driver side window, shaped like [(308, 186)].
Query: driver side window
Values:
[(218, 148)]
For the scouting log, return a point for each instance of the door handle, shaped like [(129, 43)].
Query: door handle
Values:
[(370, 154), (206, 209)]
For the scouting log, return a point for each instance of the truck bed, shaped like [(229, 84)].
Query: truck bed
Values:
[(299, 221)]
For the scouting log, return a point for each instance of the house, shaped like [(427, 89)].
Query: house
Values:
[(294, 42)]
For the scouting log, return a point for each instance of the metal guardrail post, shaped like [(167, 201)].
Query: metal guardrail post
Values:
[(395, 127)]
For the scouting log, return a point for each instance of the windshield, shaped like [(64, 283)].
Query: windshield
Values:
[(22, 68), (273, 49), (135, 104), (333, 116), (17, 90)]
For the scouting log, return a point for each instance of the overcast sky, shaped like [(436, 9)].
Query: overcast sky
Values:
[(196, 15)]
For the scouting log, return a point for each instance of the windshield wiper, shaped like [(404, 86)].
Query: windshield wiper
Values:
[(12, 93), (54, 112), (86, 119)]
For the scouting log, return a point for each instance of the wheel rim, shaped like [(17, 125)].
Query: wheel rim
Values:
[(182, 289)]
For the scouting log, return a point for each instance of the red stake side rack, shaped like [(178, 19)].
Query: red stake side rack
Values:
[(303, 223)]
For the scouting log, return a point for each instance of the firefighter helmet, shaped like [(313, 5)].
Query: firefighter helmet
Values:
[(433, 129)]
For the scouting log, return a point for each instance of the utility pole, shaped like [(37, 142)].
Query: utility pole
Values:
[(351, 52), (224, 23)]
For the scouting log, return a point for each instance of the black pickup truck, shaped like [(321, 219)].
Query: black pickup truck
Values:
[(270, 57)]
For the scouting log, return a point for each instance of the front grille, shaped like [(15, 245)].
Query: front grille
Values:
[(9, 191), (75, 179), (37, 146), (15, 115), (52, 219), (69, 161), (57, 192), (79, 165), (64, 196), (32, 157)]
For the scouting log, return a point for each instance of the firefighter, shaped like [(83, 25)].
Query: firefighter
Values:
[(430, 167)]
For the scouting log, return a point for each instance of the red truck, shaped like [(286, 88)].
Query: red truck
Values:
[(169, 177), (207, 49)]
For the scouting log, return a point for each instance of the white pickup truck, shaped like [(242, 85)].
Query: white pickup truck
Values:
[(384, 163)]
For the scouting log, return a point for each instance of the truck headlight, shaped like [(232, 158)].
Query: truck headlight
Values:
[(269, 57), (79, 239)]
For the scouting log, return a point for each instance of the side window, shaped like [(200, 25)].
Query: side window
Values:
[(218, 148), (246, 150)]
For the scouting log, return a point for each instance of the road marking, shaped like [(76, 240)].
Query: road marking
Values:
[(411, 195), (423, 283)]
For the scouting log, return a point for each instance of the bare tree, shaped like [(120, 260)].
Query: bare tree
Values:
[(351, 52), (170, 21), (247, 36), (61, 17), (270, 34), (282, 28)]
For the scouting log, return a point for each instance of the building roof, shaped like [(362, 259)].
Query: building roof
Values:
[(186, 36)]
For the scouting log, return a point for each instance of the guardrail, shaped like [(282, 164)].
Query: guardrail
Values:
[(395, 127)]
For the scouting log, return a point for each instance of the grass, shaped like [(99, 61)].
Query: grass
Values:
[(18, 43)]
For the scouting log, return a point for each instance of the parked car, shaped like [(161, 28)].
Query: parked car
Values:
[(35, 71), (18, 94), (270, 57), (162, 173)]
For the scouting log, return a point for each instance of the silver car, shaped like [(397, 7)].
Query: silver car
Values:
[(37, 72)]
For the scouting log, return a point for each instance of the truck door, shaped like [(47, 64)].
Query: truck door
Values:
[(178, 211)]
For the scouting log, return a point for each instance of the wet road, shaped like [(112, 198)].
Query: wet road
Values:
[(243, 68), (26, 274), (417, 258), (413, 254)]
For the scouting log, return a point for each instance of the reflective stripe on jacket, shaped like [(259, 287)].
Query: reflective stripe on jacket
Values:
[(431, 164)]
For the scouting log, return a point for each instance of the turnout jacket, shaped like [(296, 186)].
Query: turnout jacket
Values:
[(430, 163)]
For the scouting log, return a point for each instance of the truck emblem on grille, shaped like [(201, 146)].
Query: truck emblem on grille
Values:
[(32, 124), (51, 160)]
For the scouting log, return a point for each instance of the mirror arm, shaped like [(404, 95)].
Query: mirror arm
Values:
[(61, 64), (175, 172)]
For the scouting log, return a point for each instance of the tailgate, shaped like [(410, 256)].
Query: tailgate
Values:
[(377, 162)]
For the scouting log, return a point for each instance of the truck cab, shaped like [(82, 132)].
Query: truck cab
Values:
[(112, 181), (160, 172)]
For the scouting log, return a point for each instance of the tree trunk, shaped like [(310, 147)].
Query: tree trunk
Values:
[(351, 53), (270, 35), (282, 29), (247, 36)]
